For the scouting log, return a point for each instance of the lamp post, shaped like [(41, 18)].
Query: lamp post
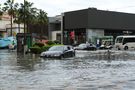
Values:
[(11, 16), (25, 46), (24, 25)]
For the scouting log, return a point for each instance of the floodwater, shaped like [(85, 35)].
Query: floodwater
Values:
[(94, 70)]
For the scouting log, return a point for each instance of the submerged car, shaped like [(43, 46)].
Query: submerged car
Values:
[(59, 52), (85, 46)]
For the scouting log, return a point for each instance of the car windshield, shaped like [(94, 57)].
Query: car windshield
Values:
[(56, 48)]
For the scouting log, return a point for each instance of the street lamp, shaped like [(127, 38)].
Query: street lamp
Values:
[(25, 46), (24, 25), (11, 15)]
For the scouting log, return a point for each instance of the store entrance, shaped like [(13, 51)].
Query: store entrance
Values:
[(80, 36), (74, 37)]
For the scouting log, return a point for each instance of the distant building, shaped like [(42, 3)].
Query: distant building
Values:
[(54, 28), (91, 24), (5, 26)]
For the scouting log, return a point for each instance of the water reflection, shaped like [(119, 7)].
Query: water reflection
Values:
[(26, 61)]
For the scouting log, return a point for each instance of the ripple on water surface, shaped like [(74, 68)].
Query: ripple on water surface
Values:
[(79, 73)]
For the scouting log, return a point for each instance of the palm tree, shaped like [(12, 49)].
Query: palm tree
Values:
[(10, 7), (17, 20), (29, 11), (42, 17), (42, 20), (1, 12), (35, 17)]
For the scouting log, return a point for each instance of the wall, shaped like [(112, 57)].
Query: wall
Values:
[(54, 35), (3, 24), (76, 19), (110, 20), (99, 19)]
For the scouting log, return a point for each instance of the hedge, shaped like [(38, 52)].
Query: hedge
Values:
[(37, 50), (38, 44), (50, 43)]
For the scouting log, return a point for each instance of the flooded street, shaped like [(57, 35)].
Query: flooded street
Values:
[(94, 70)]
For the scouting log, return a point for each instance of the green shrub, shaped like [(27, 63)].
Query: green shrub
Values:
[(36, 50), (45, 48), (38, 44), (57, 42), (50, 42)]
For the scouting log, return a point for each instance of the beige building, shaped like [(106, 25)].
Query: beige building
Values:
[(5, 26)]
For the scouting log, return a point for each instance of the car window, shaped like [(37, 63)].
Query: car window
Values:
[(119, 40), (65, 48), (56, 48), (6, 39), (82, 45)]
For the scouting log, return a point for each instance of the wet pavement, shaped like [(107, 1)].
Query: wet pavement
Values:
[(89, 70)]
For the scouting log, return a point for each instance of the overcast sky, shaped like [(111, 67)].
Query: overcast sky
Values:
[(56, 7)]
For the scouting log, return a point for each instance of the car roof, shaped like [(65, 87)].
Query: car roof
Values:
[(127, 36)]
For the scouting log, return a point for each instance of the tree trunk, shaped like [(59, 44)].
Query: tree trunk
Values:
[(11, 24), (41, 32), (19, 27)]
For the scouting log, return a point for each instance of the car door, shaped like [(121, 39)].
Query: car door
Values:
[(65, 52), (70, 51)]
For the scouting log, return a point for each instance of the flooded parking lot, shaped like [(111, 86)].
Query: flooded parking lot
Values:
[(94, 70)]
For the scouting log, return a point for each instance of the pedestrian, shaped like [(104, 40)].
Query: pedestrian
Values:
[(97, 43)]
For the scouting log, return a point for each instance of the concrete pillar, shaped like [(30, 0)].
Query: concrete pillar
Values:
[(62, 21)]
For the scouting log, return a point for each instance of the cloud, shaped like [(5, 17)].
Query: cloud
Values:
[(55, 7)]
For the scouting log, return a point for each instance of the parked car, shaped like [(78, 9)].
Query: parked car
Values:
[(106, 47), (59, 52), (5, 42), (85, 46)]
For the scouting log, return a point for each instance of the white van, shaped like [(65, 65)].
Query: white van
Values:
[(125, 42)]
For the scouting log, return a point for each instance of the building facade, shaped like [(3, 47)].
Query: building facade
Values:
[(54, 28), (5, 26), (92, 24)]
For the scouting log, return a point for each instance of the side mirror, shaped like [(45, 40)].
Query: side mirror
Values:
[(65, 50), (68, 48)]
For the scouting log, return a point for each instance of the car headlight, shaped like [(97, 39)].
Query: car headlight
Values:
[(42, 54), (57, 54)]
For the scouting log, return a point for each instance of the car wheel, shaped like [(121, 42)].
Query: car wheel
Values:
[(73, 54), (126, 48), (117, 48), (61, 56)]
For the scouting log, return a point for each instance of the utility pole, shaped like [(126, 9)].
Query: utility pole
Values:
[(24, 24), (25, 45), (11, 16)]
